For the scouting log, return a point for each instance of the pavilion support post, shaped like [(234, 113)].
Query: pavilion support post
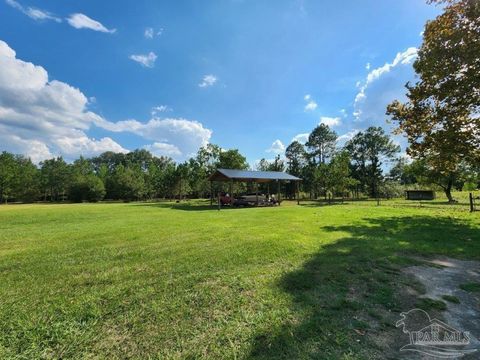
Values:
[(211, 193), (231, 192), (278, 192), (256, 191), (219, 202), (298, 192)]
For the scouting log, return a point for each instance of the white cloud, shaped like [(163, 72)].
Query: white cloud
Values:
[(43, 118), (86, 146), (344, 113), (147, 60), (35, 149), (150, 32), (301, 138), (342, 139), (33, 13), (367, 66), (403, 58), (330, 121), (277, 147), (163, 149), (82, 21), (208, 80), (382, 85), (159, 109), (187, 135), (311, 104)]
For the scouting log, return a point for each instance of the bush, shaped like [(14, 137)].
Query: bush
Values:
[(391, 189)]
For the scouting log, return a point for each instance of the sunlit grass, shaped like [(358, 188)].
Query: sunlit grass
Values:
[(168, 280)]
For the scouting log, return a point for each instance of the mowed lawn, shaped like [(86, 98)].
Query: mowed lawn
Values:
[(184, 281)]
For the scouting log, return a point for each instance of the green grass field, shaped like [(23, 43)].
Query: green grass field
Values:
[(184, 281)]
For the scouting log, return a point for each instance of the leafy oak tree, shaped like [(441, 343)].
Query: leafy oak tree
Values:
[(441, 117), (232, 159)]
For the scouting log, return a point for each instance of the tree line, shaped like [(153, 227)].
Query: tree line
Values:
[(137, 175), (327, 170)]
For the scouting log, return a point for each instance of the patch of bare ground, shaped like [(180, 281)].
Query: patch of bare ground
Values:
[(440, 286)]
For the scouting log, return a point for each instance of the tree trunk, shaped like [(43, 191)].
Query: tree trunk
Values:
[(448, 191)]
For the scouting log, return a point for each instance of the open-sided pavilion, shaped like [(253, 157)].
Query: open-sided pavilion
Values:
[(232, 175)]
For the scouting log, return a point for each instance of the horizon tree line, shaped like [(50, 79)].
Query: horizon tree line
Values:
[(357, 169)]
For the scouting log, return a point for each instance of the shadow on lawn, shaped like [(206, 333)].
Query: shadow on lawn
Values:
[(348, 296), (184, 205), (195, 206)]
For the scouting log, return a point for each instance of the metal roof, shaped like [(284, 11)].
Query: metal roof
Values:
[(247, 175)]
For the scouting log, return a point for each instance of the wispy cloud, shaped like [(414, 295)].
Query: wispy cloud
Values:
[(208, 80), (82, 21), (33, 13), (147, 60), (160, 109), (150, 32)]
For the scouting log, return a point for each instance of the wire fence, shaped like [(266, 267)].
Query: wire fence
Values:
[(474, 200), (464, 202)]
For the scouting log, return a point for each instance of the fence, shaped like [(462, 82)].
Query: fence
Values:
[(473, 202)]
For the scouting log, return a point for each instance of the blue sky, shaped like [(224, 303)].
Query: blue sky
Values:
[(90, 76)]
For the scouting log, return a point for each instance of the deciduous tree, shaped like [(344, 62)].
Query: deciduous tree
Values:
[(441, 118)]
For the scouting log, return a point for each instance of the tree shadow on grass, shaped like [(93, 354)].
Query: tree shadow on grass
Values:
[(311, 204), (181, 205), (195, 206), (346, 299)]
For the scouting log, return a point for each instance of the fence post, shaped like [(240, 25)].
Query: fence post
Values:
[(471, 202)]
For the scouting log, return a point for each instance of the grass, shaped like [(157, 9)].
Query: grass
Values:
[(183, 281), (428, 304), (451, 298), (470, 287)]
